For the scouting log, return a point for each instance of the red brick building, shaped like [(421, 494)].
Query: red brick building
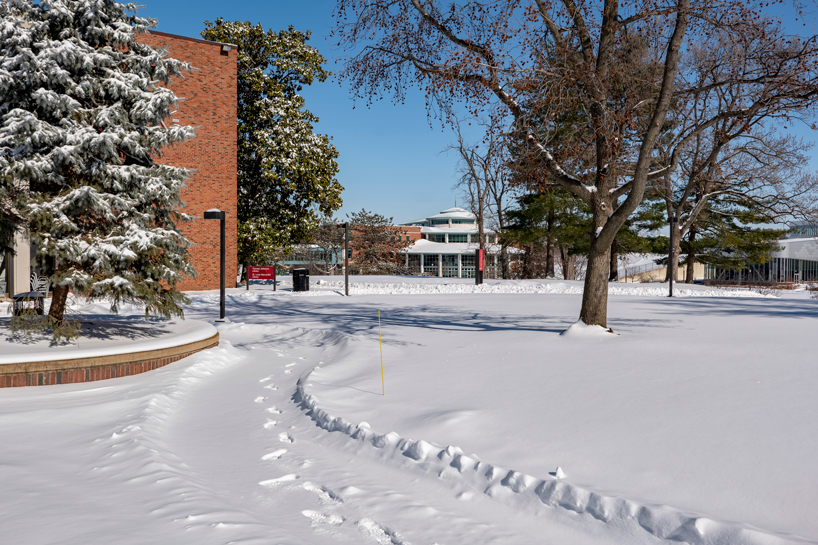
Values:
[(208, 105)]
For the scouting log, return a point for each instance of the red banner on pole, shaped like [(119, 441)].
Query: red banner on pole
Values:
[(479, 260), (261, 273)]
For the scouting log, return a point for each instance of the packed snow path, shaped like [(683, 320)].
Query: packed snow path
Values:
[(698, 414)]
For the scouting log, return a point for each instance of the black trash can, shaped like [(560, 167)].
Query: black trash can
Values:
[(301, 280)]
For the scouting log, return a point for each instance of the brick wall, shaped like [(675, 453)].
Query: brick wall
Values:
[(209, 106)]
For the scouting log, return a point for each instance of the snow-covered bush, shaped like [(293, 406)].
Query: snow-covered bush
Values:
[(81, 133)]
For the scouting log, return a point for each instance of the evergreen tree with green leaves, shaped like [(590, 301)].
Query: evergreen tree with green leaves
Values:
[(81, 136), (543, 224), (731, 236), (286, 172)]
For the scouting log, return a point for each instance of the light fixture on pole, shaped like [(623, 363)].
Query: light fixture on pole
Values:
[(671, 269), (216, 214), (345, 225)]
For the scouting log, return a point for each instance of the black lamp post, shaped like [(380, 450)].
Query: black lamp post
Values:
[(670, 268), (216, 214), (345, 225)]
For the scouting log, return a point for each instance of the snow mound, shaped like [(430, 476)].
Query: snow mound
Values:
[(506, 485), (581, 330)]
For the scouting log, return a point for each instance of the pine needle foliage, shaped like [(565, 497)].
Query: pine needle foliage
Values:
[(81, 131)]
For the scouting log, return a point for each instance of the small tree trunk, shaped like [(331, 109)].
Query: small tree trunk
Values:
[(595, 293), (528, 264), (613, 276), (571, 267), (549, 260), (691, 254), (567, 265), (59, 296)]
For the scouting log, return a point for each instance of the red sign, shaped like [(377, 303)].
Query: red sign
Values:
[(261, 273), (479, 260)]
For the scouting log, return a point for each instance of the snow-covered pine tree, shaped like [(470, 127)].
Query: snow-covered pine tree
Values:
[(81, 124)]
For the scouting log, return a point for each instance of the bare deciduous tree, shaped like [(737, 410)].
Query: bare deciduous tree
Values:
[(582, 53), (484, 182)]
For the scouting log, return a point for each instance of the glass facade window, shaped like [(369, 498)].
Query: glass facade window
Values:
[(803, 231), (467, 266), (463, 222), (430, 262), (458, 238), (440, 222), (436, 238), (450, 265), (778, 270)]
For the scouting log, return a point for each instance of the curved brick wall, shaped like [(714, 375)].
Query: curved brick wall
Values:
[(41, 373)]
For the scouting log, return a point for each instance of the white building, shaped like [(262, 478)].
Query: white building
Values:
[(447, 245), (795, 262)]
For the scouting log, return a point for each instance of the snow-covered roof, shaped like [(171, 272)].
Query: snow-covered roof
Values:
[(413, 222), (454, 230), (429, 247), (453, 213)]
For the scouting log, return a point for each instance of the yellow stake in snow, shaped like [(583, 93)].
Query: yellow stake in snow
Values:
[(380, 342)]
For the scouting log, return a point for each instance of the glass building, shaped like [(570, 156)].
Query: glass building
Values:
[(447, 246), (795, 262)]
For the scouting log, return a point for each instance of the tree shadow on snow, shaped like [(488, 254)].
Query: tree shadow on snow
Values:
[(353, 318), (732, 307)]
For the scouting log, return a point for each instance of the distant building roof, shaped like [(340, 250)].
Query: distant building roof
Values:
[(452, 213)]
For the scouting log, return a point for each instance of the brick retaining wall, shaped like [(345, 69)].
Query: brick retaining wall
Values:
[(101, 368)]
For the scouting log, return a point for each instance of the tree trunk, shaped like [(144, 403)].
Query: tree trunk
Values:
[(673, 266), (59, 296), (613, 276), (595, 292), (691, 254), (245, 273), (567, 264), (528, 262), (549, 260), (672, 269)]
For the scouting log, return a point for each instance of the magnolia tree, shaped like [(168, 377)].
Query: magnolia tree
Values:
[(618, 70), (81, 129), (286, 177)]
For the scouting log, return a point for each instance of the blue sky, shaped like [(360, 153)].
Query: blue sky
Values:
[(390, 154)]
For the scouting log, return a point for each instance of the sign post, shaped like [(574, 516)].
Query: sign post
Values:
[(261, 273), (216, 214), (478, 267), (345, 225)]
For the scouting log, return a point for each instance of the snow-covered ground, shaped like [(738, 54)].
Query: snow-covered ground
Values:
[(695, 422), (106, 335)]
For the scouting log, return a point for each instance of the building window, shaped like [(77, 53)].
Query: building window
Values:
[(430, 264), (463, 222), (436, 238), (440, 222), (450, 265), (458, 238)]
